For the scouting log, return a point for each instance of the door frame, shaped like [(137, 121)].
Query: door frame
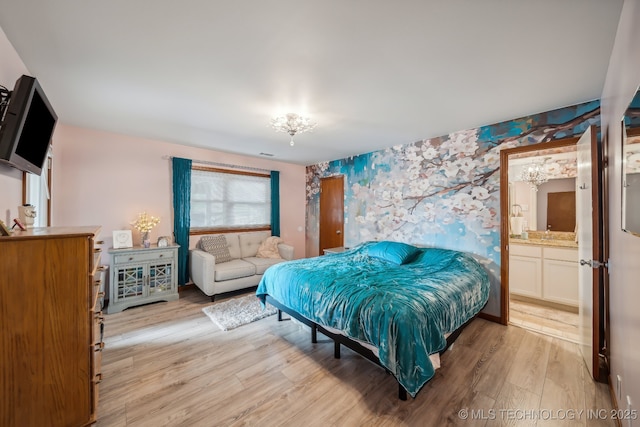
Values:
[(504, 214), (341, 177)]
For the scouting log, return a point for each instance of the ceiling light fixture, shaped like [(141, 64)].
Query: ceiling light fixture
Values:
[(534, 175), (292, 124)]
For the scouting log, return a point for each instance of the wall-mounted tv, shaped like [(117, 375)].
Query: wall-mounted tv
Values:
[(27, 126)]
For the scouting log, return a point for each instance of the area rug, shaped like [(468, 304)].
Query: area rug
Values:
[(238, 311)]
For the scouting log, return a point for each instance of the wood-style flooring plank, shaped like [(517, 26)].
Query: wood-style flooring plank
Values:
[(563, 386), (497, 358), (515, 406), (167, 364), (530, 365)]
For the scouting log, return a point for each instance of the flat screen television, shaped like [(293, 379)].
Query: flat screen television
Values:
[(27, 127)]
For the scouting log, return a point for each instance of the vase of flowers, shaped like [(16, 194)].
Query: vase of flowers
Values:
[(144, 224)]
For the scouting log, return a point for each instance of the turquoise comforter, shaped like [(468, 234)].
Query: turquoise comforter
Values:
[(403, 310)]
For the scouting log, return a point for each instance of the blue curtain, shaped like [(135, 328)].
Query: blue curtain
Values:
[(275, 203), (182, 213)]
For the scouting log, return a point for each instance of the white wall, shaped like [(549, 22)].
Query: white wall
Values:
[(622, 80), (11, 67)]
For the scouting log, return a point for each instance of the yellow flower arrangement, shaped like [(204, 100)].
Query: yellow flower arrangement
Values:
[(145, 222)]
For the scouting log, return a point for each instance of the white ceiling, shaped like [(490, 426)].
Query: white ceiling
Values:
[(371, 73)]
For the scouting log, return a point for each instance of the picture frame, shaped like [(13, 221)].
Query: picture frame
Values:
[(122, 239), (163, 241), (4, 231)]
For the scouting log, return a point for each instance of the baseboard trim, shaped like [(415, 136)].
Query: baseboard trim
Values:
[(490, 317), (614, 401)]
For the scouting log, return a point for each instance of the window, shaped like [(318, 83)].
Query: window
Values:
[(224, 200), (36, 192)]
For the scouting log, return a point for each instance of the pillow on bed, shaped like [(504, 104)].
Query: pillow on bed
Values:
[(217, 246), (396, 252)]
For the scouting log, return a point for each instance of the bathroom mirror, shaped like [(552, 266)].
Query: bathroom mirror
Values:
[(631, 167), (531, 202)]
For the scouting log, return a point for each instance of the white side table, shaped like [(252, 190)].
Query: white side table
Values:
[(142, 275)]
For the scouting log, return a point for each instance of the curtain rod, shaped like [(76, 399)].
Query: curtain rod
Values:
[(225, 165)]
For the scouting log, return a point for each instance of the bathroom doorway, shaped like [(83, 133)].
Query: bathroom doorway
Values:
[(542, 258)]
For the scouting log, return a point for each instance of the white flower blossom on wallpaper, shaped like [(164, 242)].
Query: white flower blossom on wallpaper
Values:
[(427, 187), (441, 192)]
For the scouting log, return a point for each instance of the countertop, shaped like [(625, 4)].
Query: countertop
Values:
[(556, 239)]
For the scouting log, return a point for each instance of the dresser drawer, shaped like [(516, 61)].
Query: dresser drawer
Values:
[(144, 256), (98, 328), (98, 288), (97, 360), (96, 377)]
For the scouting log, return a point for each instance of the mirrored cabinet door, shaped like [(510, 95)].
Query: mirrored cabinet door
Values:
[(631, 168)]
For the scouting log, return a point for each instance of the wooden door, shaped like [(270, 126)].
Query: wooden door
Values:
[(331, 212), (562, 215), (590, 253)]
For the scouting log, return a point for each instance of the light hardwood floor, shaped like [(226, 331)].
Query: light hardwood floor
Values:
[(167, 364), (546, 320)]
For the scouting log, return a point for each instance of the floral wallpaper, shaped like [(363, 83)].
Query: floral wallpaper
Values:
[(443, 191)]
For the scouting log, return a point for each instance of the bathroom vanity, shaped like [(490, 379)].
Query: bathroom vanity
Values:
[(545, 267)]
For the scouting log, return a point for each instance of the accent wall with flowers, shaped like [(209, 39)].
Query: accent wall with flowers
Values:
[(442, 192)]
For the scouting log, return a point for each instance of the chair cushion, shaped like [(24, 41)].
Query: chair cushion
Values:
[(217, 246), (263, 263), (269, 248), (234, 269)]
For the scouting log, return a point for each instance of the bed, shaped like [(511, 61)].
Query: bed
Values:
[(391, 302)]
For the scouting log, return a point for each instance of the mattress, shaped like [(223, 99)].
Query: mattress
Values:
[(403, 305), (435, 358)]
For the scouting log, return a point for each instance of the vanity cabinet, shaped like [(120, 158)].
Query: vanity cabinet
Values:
[(142, 275), (560, 275), (525, 270), (546, 273)]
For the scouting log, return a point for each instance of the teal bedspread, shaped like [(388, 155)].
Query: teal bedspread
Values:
[(404, 310)]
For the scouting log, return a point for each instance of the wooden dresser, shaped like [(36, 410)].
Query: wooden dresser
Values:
[(51, 327)]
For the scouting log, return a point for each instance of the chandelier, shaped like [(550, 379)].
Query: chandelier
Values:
[(292, 124), (534, 175)]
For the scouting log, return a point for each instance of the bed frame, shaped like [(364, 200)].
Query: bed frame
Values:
[(348, 342)]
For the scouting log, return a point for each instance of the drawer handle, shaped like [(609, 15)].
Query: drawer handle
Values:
[(97, 282), (130, 258), (102, 268), (98, 347), (97, 250), (100, 242), (161, 255), (97, 379), (99, 318), (100, 294)]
